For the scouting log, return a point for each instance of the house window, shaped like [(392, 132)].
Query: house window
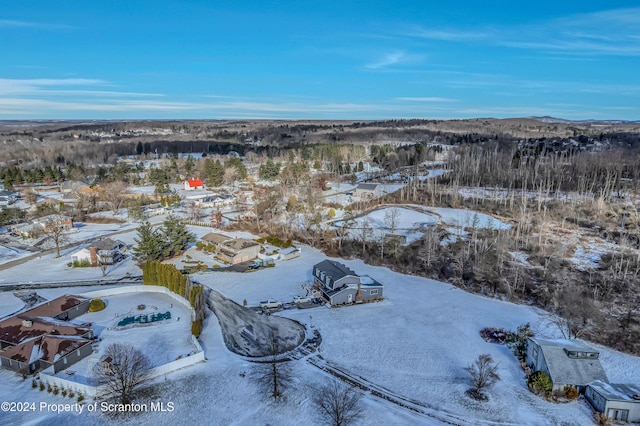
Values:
[(78, 352), (535, 352), (373, 292), (64, 360)]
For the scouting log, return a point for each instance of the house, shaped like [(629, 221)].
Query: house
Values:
[(102, 252), (42, 336), (617, 401), (7, 197), (21, 328), (109, 251), (191, 184), (44, 351), (232, 250), (289, 253), (367, 190), (340, 285), (568, 363), (47, 223), (63, 308), (214, 201)]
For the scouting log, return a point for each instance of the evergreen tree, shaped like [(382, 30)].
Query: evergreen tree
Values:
[(176, 236), (215, 172), (269, 170), (149, 244)]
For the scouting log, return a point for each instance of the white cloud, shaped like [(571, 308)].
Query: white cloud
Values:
[(425, 99), (612, 32), (387, 60)]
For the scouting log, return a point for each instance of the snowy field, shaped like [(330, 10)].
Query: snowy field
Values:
[(411, 218), (416, 343), (407, 223)]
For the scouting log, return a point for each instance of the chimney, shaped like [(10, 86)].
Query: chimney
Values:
[(94, 256)]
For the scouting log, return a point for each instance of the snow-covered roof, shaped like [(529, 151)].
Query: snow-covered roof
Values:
[(617, 391), (566, 369)]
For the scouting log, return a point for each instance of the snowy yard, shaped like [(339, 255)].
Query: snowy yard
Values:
[(416, 343), (162, 341)]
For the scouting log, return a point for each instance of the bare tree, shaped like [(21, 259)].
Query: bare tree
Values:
[(364, 232), (274, 375), (114, 195), (195, 211), (231, 176), (338, 403), (122, 369), (483, 372), (57, 234), (391, 218)]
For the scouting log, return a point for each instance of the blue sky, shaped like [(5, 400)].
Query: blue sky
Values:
[(328, 60)]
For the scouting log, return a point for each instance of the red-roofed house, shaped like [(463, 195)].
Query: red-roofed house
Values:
[(191, 184)]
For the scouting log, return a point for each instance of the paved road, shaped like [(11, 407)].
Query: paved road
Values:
[(34, 286)]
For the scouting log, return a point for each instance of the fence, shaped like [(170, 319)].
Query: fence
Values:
[(48, 377)]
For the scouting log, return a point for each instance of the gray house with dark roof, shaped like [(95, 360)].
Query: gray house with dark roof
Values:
[(340, 285), (567, 362), (368, 190), (616, 400)]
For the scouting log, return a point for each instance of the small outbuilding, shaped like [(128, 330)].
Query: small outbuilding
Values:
[(616, 400)]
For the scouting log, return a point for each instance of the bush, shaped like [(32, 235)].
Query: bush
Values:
[(96, 305), (196, 328), (49, 388), (41, 386), (80, 397), (34, 384), (81, 263), (56, 390), (571, 393), (71, 393), (539, 382), (64, 392)]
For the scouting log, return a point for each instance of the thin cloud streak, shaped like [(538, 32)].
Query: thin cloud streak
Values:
[(611, 33)]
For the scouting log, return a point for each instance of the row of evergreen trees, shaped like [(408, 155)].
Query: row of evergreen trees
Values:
[(156, 273)]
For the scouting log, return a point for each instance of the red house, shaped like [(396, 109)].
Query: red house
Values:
[(191, 184)]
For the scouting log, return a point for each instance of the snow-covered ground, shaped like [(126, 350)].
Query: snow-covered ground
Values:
[(9, 253), (162, 341), (9, 304), (467, 218), (416, 343), (407, 223), (411, 218)]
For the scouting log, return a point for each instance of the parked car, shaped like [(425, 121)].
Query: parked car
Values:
[(13, 234), (301, 299), (270, 304)]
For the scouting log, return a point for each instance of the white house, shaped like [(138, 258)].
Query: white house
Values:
[(191, 184)]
